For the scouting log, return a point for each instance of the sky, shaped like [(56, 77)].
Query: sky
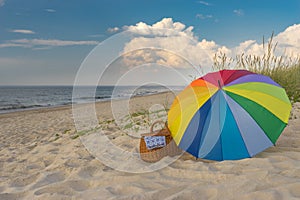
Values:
[(45, 42)]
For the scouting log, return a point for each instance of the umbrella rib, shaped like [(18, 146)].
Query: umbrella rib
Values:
[(272, 107), (206, 127), (267, 129), (209, 114), (220, 129), (261, 87), (226, 96)]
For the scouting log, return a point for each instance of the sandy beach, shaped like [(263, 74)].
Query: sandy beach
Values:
[(42, 157)]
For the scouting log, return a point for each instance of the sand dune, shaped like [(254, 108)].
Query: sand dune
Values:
[(42, 157)]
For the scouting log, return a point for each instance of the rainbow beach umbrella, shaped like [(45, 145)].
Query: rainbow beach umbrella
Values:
[(229, 115)]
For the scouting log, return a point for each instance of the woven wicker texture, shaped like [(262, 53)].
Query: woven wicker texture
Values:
[(156, 154)]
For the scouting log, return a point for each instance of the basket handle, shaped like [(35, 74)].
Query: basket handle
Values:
[(156, 122), (153, 133)]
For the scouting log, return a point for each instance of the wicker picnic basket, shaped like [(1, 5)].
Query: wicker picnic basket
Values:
[(154, 155)]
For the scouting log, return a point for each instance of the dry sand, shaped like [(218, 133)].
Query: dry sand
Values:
[(42, 158)]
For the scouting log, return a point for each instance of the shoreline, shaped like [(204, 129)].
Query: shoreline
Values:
[(69, 106)]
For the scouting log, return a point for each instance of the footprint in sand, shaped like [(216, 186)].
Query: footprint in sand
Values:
[(23, 181), (57, 189), (36, 166), (50, 179), (72, 163), (78, 185), (88, 172), (54, 151), (49, 160)]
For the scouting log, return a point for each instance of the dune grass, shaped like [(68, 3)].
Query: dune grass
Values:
[(282, 69)]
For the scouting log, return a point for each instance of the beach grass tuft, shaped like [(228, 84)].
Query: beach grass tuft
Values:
[(285, 70)]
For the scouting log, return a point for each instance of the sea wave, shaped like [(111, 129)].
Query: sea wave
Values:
[(19, 107), (15, 98)]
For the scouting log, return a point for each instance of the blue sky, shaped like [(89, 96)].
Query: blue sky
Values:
[(60, 34)]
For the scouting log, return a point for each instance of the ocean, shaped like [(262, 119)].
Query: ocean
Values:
[(16, 98)]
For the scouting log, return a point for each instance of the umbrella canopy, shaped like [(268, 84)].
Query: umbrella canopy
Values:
[(229, 115)]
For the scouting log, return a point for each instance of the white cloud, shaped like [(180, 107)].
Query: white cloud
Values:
[(289, 40), (23, 31), (165, 27), (8, 44), (176, 38), (113, 30), (2, 2), (42, 44), (238, 12), (158, 56), (50, 10), (288, 43), (172, 37), (201, 16), (204, 3)]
